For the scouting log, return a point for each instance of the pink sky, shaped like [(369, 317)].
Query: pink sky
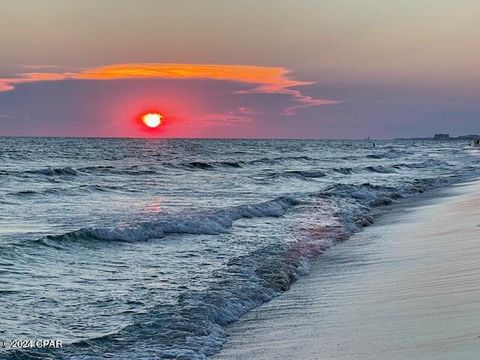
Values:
[(304, 69)]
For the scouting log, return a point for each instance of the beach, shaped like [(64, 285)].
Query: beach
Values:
[(405, 288), (198, 180)]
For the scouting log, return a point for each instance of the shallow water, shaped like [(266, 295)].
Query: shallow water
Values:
[(146, 248), (406, 288)]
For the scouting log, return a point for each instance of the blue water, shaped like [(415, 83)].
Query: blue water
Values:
[(144, 249)]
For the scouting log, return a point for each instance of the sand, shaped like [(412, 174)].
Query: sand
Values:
[(407, 287)]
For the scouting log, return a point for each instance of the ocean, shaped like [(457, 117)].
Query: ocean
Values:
[(148, 248)]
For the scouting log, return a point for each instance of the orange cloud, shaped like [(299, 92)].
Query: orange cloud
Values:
[(271, 80)]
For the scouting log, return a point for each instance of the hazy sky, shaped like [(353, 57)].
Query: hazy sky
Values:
[(301, 69)]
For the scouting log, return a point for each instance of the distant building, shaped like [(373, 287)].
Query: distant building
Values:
[(468, 137), (441, 137)]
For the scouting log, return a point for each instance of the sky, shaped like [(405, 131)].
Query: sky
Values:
[(240, 69)]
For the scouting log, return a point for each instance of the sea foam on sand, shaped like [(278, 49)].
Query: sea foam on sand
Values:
[(405, 288)]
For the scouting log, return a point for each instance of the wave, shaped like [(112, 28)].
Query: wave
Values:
[(87, 170), (142, 170), (344, 170), (389, 169), (139, 170), (307, 174), (279, 159), (234, 164), (423, 164), (212, 222), (97, 169), (198, 165), (385, 153), (74, 190), (367, 196), (135, 170), (383, 169), (49, 171), (208, 222), (360, 191), (210, 165), (429, 163), (300, 174), (193, 327), (380, 169), (203, 165)]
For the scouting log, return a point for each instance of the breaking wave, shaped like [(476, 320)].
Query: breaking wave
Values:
[(207, 222), (193, 327)]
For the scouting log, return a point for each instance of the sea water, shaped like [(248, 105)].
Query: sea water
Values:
[(147, 248)]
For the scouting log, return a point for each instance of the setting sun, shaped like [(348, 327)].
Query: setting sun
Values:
[(152, 120)]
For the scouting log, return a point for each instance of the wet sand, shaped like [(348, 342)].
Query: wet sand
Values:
[(406, 288)]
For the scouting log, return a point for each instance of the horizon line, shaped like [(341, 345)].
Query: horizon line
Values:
[(232, 138)]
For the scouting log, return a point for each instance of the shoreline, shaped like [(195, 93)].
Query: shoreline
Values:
[(404, 288)]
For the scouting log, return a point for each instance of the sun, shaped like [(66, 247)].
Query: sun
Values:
[(152, 119)]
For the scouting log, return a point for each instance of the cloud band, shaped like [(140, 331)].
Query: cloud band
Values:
[(271, 80)]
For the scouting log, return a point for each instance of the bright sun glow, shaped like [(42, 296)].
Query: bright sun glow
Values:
[(152, 120)]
